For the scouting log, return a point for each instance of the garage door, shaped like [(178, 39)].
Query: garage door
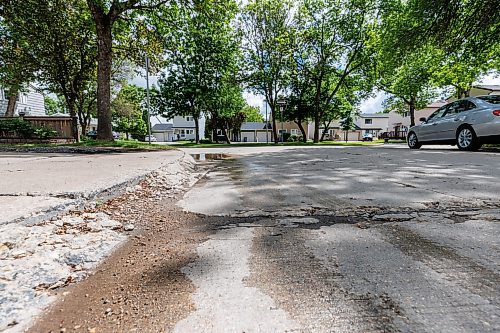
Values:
[(261, 136)]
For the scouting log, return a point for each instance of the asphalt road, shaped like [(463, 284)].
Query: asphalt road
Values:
[(359, 239)]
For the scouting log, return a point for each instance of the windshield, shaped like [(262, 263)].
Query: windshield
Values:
[(492, 99)]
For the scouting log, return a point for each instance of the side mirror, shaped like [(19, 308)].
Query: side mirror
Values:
[(423, 119)]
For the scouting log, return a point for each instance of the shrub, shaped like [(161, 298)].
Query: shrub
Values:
[(45, 133), (11, 127), (23, 129), (286, 136), (206, 141)]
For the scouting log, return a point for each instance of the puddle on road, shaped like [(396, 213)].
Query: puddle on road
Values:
[(210, 157)]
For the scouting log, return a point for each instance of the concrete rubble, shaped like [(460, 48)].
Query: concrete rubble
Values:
[(38, 258)]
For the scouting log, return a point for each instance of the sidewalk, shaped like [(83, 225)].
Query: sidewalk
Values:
[(38, 185)]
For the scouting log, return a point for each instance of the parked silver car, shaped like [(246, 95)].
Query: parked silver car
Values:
[(468, 123)]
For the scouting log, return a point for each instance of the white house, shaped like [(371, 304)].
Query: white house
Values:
[(374, 123), (184, 128), (30, 102), (163, 132)]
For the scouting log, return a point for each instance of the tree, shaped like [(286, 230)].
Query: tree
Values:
[(202, 55), (111, 18), (54, 105), (15, 65), (408, 83), (128, 112), (252, 114), (460, 69), (61, 57), (332, 45), (453, 24), (347, 123), (265, 26)]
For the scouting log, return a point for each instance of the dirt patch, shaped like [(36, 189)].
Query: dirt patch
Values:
[(140, 286)]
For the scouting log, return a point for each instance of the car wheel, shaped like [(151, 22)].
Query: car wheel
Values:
[(467, 139), (413, 141)]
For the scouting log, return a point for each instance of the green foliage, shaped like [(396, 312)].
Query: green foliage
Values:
[(252, 113), (202, 64), (44, 133), (18, 127), (54, 105), (128, 111), (265, 27)]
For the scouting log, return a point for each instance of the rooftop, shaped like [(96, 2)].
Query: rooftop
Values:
[(374, 115), (489, 87), (253, 126), (162, 127)]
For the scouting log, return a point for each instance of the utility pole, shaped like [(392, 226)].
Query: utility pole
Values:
[(147, 99), (267, 126), (282, 103)]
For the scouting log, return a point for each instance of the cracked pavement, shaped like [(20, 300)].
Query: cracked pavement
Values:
[(315, 239), (375, 239)]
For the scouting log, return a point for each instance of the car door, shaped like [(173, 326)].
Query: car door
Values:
[(454, 117), (427, 130), (443, 124)]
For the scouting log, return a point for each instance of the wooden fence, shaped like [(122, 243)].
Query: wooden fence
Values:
[(62, 125)]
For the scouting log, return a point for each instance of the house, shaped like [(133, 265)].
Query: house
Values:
[(163, 132), (480, 90), (255, 132), (184, 128), (30, 102), (292, 128), (373, 123)]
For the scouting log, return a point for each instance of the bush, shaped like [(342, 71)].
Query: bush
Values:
[(23, 129), (12, 127), (206, 141), (294, 138), (45, 133), (286, 136)]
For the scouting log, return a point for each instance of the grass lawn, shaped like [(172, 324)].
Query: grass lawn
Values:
[(293, 144), (118, 144)]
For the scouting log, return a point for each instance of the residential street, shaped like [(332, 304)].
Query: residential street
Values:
[(314, 239)]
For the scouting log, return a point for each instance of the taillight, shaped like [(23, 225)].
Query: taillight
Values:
[(496, 113)]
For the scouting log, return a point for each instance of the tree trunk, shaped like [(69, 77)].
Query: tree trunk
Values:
[(224, 132), (316, 127), (325, 130), (197, 130), (275, 130), (104, 59), (412, 111), (11, 105), (302, 130), (70, 102)]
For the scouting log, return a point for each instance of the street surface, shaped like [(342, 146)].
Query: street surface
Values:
[(313, 239), (349, 240)]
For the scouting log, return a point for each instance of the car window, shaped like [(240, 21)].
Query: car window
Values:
[(465, 105), (451, 109), (437, 114), (492, 99)]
